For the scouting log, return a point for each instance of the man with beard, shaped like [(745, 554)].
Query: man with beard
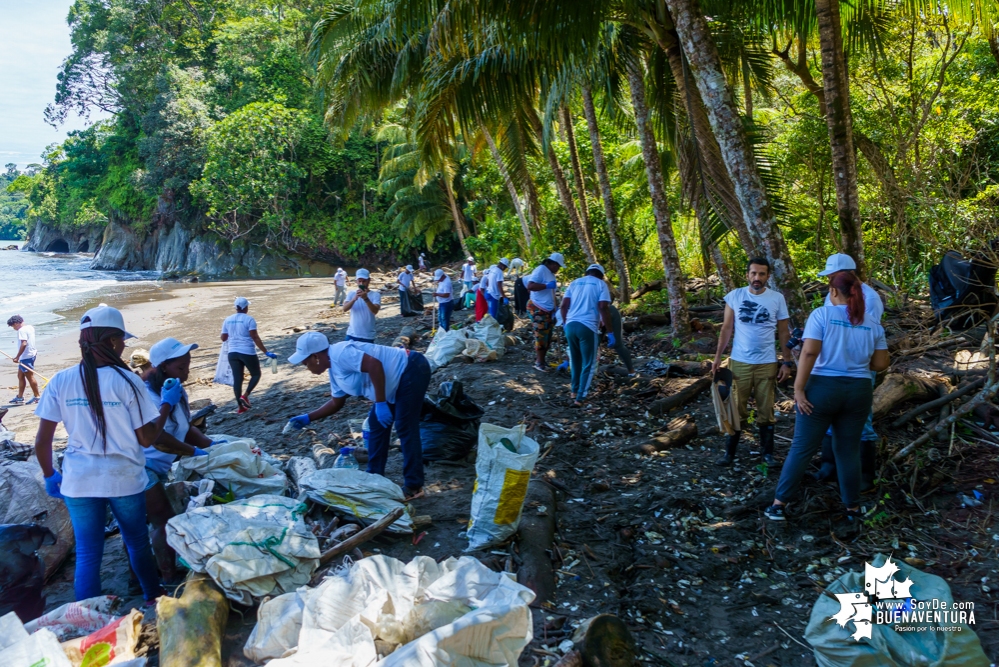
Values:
[(755, 313)]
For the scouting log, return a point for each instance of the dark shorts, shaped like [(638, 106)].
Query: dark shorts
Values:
[(28, 363)]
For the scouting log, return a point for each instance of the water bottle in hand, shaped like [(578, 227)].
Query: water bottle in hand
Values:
[(346, 459)]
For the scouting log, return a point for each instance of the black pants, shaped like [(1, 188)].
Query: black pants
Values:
[(250, 362)]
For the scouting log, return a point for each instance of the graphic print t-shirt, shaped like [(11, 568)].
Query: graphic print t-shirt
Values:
[(756, 317)]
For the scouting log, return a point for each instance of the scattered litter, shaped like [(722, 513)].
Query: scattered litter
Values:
[(234, 467), (358, 494), (77, 619), (23, 500), (112, 644), (19, 649)]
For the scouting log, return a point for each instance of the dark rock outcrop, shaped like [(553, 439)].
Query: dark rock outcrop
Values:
[(49, 238)]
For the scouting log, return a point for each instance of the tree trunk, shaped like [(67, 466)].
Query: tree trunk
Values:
[(706, 69), (564, 194), (723, 273), (660, 207), (610, 213), (509, 184), (459, 221), (747, 88), (840, 123), (577, 172), (533, 205)]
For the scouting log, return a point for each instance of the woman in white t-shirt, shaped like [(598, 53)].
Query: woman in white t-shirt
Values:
[(585, 308), (110, 420), (843, 344), (239, 333)]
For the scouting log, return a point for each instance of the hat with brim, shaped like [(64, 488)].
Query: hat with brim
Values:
[(167, 349), (104, 316), (438, 274), (241, 302), (838, 262), (308, 344), (596, 267), (363, 274), (557, 258)]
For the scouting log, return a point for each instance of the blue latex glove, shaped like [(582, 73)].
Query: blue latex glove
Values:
[(53, 484), (551, 285), (563, 366), (300, 422), (217, 442), (270, 355), (383, 414), (199, 452), (611, 340), (171, 393), (506, 302)]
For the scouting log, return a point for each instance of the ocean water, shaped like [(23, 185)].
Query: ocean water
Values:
[(50, 291)]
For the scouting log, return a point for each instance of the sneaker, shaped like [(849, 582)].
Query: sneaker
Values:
[(540, 368), (17, 400), (240, 410), (32, 401), (244, 402), (725, 460), (411, 493), (774, 513)]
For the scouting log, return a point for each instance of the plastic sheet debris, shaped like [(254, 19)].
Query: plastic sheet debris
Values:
[(20, 649), (11, 448), (382, 611), (23, 500), (110, 645), (234, 466), (445, 346), (489, 331), (223, 371), (359, 494), (77, 619), (501, 479), (278, 623), (250, 548)]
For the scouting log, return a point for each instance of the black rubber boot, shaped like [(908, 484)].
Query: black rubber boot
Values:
[(868, 463), (827, 470), (728, 458), (767, 443)]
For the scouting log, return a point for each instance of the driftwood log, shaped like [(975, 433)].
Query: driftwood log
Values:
[(646, 321), (984, 396), (939, 402), (406, 337), (325, 456), (362, 536), (679, 432), (654, 286), (662, 406), (903, 387), (694, 368), (535, 536), (191, 627)]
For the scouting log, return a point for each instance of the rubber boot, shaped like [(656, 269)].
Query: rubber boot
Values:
[(728, 458), (767, 443), (827, 470), (868, 463)]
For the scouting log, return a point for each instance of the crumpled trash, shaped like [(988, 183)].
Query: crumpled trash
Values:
[(19, 649), (234, 466), (77, 619), (279, 621), (359, 494), (113, 644), (250, 548), (23, 500), (489, 331), (382, 611), (11, 448), (445, 346), (478, 351)]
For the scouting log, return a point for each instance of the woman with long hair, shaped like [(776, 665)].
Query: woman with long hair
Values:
[(843, 344), (169, 359), (109, 419)]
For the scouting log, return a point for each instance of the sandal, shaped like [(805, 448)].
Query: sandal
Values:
[(409, 493)]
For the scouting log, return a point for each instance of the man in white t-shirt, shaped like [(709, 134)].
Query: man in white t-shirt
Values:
[(755, 313), (363, 305), (541, 284), (340, 280), (585, 308), (468, 273), (874, 307), (445, 301), (494, 291), (25, 359)]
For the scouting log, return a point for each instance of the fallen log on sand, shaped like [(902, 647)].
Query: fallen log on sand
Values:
[(361, 536), (938, 403), (985, 395), (901, 387), (679, 432), (191, 627), (682, 397), (535, 536), (646, 321), (406, 337)]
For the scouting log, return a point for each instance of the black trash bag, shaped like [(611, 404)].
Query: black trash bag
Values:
[(505, 319), (410, 303), (963, 290), (450, 426), (22, 572)]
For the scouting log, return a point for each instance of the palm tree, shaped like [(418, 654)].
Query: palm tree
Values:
[(510, 186), (577, 172)]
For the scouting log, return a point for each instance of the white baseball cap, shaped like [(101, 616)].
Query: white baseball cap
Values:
[(596, 267), (167, 349), (241, 302), (409, 267), (308, 344), (471, 259), (557, 258), (104, 316), (363, 273), (505, 261), (838, 262)]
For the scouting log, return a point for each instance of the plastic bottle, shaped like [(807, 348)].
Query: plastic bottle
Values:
[(170, 382), (346, 459), (273, 364)]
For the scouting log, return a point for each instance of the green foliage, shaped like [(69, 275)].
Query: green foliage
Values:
[(13, 204)]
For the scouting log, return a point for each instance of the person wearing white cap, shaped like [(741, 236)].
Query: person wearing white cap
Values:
[(170, 359), (422, 262), (340, 280), (541, 284), (363, 305), (517, 264), (753, 315), (239, 333), (874, 307), (406, 285), (468, 273), (445, 304), (110, 419), (493, 291), (392, 378), (585, 308)]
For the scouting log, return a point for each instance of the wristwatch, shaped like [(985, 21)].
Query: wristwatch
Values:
[(787, 363)]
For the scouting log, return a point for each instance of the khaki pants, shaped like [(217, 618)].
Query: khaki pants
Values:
[(758, 381)]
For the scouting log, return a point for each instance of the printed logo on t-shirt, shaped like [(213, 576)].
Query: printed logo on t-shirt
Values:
[(84, 403), (751, 312)]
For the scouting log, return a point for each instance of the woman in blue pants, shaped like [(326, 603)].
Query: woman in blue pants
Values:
[(110, 420), (585, 307)]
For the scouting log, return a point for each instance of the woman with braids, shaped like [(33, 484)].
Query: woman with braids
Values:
[(110, 419), (169, 358), (843, 344)]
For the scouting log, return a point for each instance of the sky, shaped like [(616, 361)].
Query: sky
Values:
[(34, 40)]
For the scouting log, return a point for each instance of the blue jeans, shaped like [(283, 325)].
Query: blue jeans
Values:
[(583, 344), (88, 516), (359, 340), (444, 311), (494, 305), (406, 410), (840, 402), (869, 432)]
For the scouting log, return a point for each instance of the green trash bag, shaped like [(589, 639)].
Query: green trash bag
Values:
[(835, 646)]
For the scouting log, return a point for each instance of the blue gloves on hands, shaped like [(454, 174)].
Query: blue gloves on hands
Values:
[(198, 451), (270, 355), (299, 422), (611, 340), (551, 285), (53, 484), (171, 392), (564, 366), (384, 414)]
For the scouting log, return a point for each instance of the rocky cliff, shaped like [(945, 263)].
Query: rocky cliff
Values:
[(49, 238)]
